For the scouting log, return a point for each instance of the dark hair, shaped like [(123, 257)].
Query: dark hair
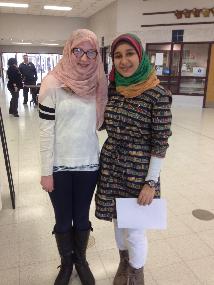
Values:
[(12, 61)]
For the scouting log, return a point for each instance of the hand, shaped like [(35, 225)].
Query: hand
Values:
[(47, 183), (146, 195), (16, 89)]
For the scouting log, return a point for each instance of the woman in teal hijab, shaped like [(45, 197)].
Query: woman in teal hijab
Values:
[(137, 120)]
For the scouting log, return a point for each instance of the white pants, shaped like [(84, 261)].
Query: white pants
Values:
[(135, 241)]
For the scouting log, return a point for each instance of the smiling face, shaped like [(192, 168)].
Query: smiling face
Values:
[(126, 60), (84, 61)]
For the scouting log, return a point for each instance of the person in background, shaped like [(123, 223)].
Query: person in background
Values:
[(137, 121), (29, 76), (72, 100), (14, 85)]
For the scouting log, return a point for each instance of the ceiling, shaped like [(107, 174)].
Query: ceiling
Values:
[(80, 8)]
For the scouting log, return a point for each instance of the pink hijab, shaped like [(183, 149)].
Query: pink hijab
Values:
[(86, 82)]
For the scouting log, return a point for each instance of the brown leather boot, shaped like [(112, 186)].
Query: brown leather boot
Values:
[(121, 274), (135, 276)]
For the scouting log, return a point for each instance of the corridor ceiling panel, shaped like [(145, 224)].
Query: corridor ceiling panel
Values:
[(80, 8)]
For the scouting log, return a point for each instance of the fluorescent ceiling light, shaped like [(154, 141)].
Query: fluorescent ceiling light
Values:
[(59, 8), (22, 43), (47, 44), (13, 5)]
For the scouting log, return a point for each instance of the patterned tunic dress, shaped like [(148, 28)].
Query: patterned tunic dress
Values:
[(137, 129)]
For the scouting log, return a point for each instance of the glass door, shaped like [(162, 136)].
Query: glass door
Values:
[(194, 68), (181, 67), (47, 63), (175, 68), (43, 62), (160, 58)]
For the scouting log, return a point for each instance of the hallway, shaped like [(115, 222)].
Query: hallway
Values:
[(183, 254)]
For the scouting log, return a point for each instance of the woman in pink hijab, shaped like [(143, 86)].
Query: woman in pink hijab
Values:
[(71, 107)]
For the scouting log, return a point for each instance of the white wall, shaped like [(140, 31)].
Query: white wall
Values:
[(126, 16), (133, 10), (38, 28), (104, 23), (170, 5)]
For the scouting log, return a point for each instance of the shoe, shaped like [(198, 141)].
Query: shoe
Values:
[(135, 276), (16, 115), (121, 276)]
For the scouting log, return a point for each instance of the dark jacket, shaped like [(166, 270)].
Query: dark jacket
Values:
[(28, 72), (14, 77)]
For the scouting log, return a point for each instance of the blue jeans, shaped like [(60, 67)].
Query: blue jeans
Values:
[(71, 199)]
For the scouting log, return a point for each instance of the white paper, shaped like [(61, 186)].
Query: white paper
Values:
[(159, 70), (159, 58), (134, 216), (199, 71)]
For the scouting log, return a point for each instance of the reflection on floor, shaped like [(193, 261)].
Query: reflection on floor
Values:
[(183, 254)]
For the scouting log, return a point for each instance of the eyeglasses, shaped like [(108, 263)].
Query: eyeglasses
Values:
[(91, 53)]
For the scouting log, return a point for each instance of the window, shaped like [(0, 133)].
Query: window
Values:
[(177, 36), (194, 60), (181, 67), (160, 58)]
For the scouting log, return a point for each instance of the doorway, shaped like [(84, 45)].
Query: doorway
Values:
[(43, 63)]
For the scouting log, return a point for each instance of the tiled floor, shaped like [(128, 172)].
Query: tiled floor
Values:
[(183, 254)]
